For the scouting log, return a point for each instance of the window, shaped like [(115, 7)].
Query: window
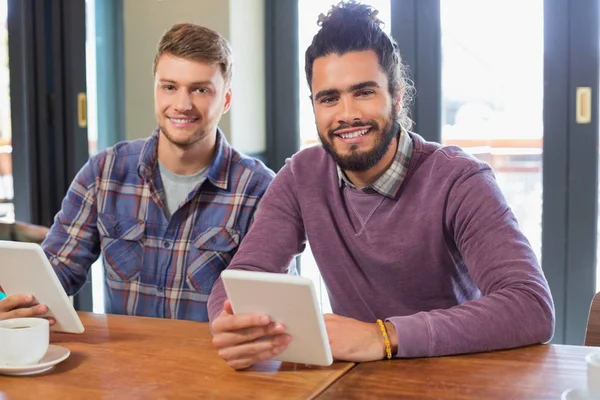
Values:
[(6, 180), (492, 96)]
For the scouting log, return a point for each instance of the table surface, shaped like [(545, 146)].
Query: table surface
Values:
[(147, 358), (535, 372)]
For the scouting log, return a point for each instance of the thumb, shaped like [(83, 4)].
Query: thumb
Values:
[(227, 307)]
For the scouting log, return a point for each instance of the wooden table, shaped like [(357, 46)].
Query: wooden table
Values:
[(536, 372), (121, 357)]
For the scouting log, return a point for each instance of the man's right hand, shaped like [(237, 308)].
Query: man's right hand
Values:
[(241, 339), (19, 306)]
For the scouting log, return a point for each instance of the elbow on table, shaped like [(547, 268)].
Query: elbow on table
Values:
[(543, 326)]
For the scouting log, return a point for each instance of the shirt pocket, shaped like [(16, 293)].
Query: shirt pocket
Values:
[(211, 252), (122, 246)]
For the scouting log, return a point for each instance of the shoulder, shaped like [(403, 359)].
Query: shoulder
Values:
[(309, 161), (444, 159), (251, 169), (121, 158), (129, 149)]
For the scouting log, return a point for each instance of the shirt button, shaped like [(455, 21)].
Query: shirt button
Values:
[(160, 289), (167, 244)]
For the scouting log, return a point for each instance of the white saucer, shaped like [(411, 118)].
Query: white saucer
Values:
[(53, 356), (576, 394)]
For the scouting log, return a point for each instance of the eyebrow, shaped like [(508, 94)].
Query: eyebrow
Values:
[(351, 88), (198, 83)]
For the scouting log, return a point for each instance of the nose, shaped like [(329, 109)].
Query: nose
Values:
[(184, 101), (349, 112)]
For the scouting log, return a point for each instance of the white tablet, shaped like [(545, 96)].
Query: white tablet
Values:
[(24, 268), (289, 299)]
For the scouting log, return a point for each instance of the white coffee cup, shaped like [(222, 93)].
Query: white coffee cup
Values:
[(593, 375), (23, 341)]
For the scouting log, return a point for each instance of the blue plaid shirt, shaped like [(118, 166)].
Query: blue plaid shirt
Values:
[(154, 266)]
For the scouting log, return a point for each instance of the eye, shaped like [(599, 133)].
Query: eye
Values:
[(365, 93), (202, 90), (328, 100), (168, 88)]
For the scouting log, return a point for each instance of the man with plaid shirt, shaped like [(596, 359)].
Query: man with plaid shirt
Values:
[(166, 213)]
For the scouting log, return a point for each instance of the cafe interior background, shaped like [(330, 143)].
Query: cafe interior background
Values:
[(514, 82)]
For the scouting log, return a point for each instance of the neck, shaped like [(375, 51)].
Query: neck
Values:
[(186, 160), (365, 178)]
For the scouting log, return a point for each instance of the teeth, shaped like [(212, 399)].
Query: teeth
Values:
[(354, 134), (182, 120)]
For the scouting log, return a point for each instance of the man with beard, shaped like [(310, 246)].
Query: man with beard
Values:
[(167, 213), (414, 240)]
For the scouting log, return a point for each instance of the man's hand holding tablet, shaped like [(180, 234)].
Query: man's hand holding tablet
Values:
[(270, 316), (20, 306), (245, 339)]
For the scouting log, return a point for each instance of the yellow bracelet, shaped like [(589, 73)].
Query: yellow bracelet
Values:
[(386, 339)]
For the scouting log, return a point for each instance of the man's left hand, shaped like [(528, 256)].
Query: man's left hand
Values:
[(353, 340)]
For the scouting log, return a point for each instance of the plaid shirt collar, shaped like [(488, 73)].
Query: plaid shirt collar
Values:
[(391, 179), (218, 173)]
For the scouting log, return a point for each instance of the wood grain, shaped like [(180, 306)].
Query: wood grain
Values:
[(536, 372), (121, 357), (592, 335)]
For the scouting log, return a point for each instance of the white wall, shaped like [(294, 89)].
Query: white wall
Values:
[(239, 21), (247, 37)]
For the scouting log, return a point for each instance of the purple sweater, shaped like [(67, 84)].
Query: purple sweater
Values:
[(444, 260)]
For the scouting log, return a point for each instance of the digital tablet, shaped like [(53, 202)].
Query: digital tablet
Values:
[(25, 269), (289, 299)]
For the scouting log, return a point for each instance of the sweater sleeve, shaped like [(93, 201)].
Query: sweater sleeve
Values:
[(275, 238), (516, 307)]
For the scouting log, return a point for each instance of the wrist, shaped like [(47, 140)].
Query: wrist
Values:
[(393, 336), (384, 340)]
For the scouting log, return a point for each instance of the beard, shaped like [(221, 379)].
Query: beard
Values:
[(360, 161), (185, 143)]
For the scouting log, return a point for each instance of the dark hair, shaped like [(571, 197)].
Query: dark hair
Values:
[(352, 26), (194, 42)]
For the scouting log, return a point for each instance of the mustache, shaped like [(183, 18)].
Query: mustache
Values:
[(373, 124)]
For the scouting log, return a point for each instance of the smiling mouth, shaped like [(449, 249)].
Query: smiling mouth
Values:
[(354, 134), (183, 120)]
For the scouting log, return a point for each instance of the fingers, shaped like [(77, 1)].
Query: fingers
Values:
[(227, 307), (25, 312), (227, 322), (14, 301), (240, 336), (244, 339), (16, 306), (244, 355)]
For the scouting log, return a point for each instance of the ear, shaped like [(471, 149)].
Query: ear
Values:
[(227, 104)]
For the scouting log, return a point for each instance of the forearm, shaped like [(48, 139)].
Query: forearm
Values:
[(276, 236), (515, 307), (73, 243), (5, 231), (508, 318), (23, 232), (269, 247)]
